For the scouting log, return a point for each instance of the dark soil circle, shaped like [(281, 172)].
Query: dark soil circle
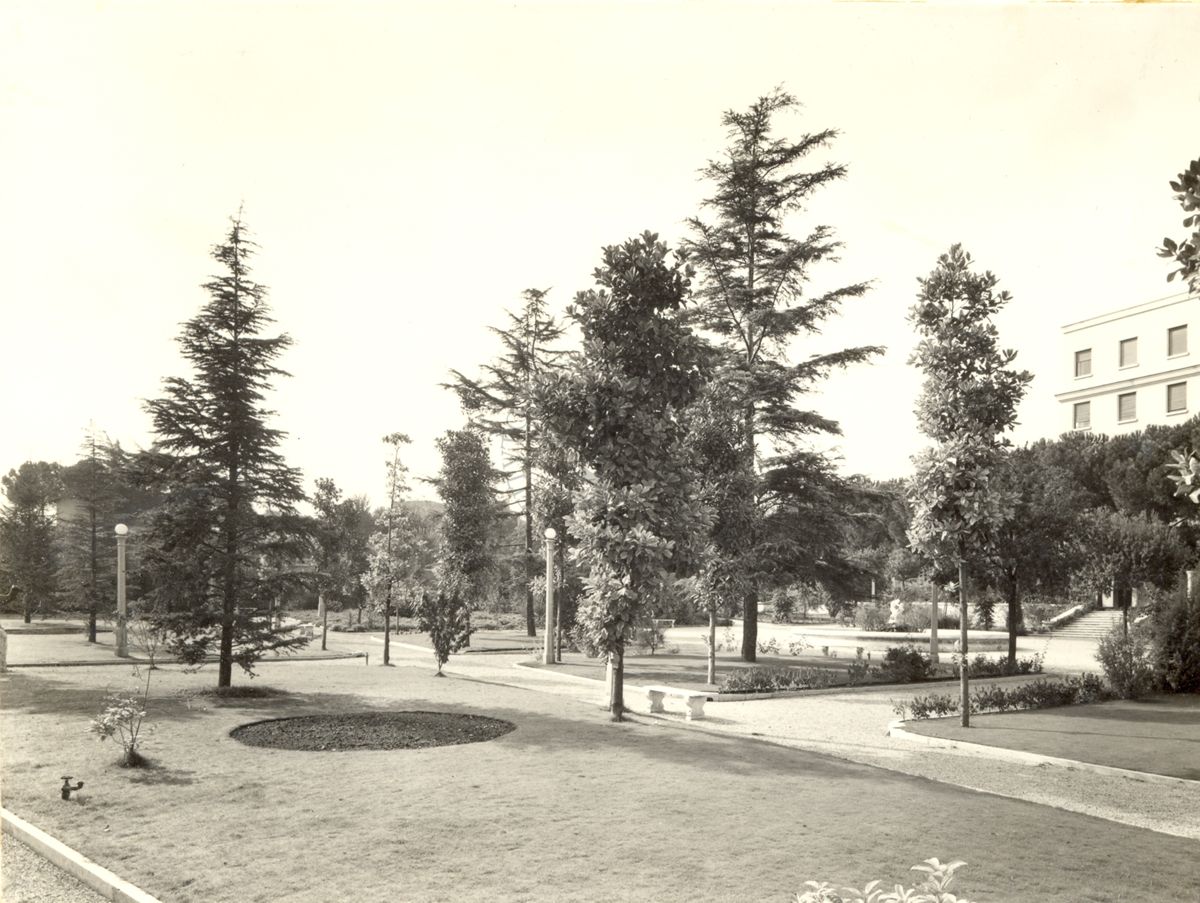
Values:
[(371, 730)]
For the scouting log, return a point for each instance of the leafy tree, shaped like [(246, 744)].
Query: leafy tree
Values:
[(968, 401), (1123, 551), (466, 487), (232, 498), (752, 296), (1036, 548), (502, 403), (342, 531), (394, 558), (1187, 252), (447, 620), (27, 531), (638, 523)]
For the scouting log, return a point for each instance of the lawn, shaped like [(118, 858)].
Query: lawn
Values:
[(566, 807), (1160, 735)]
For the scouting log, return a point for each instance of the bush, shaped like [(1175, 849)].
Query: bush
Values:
[(1040, 694), (871, 616), (1127, 663), (982, 666), (905, 664), (934, 889), (762, 680), (1175, 629), (948, 622)]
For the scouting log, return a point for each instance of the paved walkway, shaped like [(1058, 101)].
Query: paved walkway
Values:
[(853, 725)]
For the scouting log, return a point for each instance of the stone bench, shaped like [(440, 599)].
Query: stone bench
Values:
[(694, 700)]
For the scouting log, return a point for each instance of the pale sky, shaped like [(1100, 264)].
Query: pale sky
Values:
[(410, 168)]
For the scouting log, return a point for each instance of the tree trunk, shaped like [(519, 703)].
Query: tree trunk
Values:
[(28, 608), (530, 569), (750, 625), (616, 686), (933, 629), (962, 631), (324, 624), (92, 589), (387, 631), (1014, 619), (712, 645)]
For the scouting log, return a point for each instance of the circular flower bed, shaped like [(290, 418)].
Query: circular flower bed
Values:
[(371, 730)]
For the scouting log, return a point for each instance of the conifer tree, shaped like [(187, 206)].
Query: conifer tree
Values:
[(232, 498), (501, 403), (466, 486), (753, 297), (87, 544), (27, 550)]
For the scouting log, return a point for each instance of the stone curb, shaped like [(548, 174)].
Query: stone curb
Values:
[(1021, 757), (100, 879), (332, 656)]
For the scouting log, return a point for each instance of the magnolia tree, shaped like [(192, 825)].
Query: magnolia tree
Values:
[(638, 522), (1186, 253), (968, 401)]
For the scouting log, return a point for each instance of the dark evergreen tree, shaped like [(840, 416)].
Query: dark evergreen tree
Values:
[(27, 550), (502, 403), (466, 485), (232, 498), (754, 276), (87, 545)]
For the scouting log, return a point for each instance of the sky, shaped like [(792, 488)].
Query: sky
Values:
[(409, 169)]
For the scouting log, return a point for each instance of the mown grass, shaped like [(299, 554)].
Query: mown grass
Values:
[(567, 807)]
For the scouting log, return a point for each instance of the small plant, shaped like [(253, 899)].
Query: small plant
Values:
[(825, 651), (121, 719), (858, 670), (797, 647), (447, 620), (871, 616), (1039, 694), (761, 680), (770, 647), (934, 889)]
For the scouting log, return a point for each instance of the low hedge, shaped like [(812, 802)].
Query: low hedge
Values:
[(1039, 694)]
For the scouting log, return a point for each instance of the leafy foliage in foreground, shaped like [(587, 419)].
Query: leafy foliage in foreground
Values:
[(934, 889)]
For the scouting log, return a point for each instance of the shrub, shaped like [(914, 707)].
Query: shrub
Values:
[(948, 622), (1127, 663), (934, 889), (447, 620), (905, 664), (982, 666), (858, 670), (121, 719), (871, 616), (1175, 628), (1039, 694), (770, 647), (762, 680)]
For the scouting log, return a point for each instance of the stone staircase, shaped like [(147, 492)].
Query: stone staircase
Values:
[(1092, 626)]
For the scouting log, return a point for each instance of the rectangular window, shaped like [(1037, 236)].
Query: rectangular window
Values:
[(1176, 341), (1127, 407), (1083, 415), (1083, 362), (1128, 355), (1176, 398)]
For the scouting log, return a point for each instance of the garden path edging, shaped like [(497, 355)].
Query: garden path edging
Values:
[(74, 863), (1021, 757)]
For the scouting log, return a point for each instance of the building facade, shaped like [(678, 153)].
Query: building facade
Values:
[(1133, 367)]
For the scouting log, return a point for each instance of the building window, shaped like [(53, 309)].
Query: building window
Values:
[(1128, 355), (1083, 415), (1127, 407), (1176, 341), (1176, 398), (1083, 362)]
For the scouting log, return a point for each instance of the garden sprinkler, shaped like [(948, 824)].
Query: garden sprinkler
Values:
[(67, 788)]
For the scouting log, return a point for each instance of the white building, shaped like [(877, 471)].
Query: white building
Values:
[(1133, 367)]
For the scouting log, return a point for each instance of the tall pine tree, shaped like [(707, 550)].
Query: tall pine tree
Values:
[(752, 293), (27, 550), (502, 403), (232, 498)]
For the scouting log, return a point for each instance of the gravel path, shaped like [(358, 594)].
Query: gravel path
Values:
[(28, 878), (853, 725)]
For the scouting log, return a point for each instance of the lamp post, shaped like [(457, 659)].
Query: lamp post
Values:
[(548, 655), (122, 639)]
